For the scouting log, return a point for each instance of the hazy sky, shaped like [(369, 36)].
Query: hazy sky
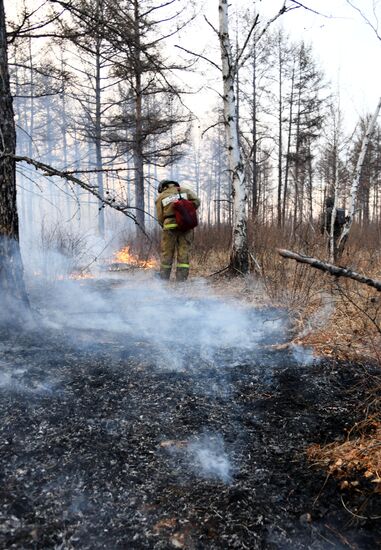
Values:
[(346, 47)]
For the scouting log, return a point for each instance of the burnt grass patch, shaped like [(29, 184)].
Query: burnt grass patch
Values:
[(102, 449)]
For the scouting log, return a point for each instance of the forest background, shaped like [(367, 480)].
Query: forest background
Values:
[(122, 114)]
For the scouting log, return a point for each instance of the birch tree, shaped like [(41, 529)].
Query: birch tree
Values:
[(239, 258)]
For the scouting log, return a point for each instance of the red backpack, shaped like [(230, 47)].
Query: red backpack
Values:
[(185, 214)]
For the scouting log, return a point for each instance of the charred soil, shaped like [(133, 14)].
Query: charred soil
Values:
[(101, 448)]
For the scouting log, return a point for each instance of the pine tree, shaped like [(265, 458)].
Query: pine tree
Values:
[(12, 288)]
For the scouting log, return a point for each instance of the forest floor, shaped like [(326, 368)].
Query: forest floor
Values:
[(150, 416)]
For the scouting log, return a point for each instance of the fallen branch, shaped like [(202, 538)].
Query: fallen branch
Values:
[(50, 171), (334, 270)]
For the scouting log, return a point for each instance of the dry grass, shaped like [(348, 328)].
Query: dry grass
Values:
[(355, 461)]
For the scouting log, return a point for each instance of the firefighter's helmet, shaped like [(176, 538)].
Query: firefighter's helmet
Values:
[(164, 183)]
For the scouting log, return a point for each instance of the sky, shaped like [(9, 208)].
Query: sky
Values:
[(346, 48)]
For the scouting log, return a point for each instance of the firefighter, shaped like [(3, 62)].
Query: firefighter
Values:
[(172, 239), (326, 220)]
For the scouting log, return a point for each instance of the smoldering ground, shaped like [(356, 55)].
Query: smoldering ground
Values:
[(145, 415)]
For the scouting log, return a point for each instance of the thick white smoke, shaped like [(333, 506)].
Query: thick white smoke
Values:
[(184, 324)]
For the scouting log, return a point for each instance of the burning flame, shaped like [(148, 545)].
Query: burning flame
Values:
[(124, 256)]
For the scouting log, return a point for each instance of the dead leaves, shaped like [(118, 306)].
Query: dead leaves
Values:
[(179, 538), (352, 460), (165, 523)]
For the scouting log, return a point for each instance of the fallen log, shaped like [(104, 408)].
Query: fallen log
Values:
[(334, 270)]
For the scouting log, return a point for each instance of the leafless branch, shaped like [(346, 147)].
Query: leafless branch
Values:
[(366, 19), (211, 25), (332, 269), (211, 126), (50, 171), (200, 56), (248, 36), (301, 5)]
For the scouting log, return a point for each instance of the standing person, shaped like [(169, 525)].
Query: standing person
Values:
[(326, 221), (173, 239)]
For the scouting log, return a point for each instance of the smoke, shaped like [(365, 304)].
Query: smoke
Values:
[(187, 327), (202, 456), (58, 253), (320, 318), (17, 380), (208, 458), (303, 355)]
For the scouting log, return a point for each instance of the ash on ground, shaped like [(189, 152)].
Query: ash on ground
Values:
[(143, 417)]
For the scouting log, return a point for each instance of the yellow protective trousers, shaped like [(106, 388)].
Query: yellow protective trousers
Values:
[(172, 241)]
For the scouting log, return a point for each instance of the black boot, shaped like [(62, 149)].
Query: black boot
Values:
[(182, 274)]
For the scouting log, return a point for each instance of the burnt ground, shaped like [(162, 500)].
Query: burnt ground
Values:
[(104, 445)]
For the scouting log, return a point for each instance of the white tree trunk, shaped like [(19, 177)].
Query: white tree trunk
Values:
[(332, 239), (356, 181), (239, 259)]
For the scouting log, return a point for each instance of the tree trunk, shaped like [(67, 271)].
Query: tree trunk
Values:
[(287, 168), (298, 194), (280, 131), (31, 111), (218, 180), (12, 290), (64, 126), (138, 133), (98, 123), (254, 208), (239, 257), (332, 237)]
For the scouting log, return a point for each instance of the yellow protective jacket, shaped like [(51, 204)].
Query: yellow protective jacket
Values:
[(164, 204)]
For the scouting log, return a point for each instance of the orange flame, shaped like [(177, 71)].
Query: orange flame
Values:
[(124, 256)]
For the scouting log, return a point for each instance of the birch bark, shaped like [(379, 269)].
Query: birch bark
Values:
[(239, 258)]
